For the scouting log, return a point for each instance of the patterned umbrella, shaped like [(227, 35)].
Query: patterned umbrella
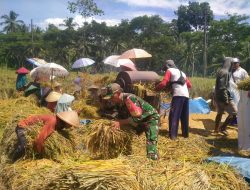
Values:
[(47, 70)]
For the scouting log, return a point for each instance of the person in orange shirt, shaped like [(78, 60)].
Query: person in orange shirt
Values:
[(50, 124)]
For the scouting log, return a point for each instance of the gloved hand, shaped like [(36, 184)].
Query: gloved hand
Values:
[(116, 125)]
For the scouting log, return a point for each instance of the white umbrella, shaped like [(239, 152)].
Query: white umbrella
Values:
[(83, 62), (49, 69), (112, 60), (135, 53), (40, 77), (36, 61)]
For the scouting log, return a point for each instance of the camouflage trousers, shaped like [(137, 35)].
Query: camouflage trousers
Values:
[(151, 131)]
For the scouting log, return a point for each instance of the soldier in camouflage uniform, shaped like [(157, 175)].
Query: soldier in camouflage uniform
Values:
[(142, 115)]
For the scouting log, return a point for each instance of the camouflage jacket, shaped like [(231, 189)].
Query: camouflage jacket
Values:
[(148, 112)]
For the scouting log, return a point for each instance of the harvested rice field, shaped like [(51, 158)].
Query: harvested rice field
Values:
[(95, 156)]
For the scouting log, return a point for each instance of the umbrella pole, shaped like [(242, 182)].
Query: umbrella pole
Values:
[(51, 78)]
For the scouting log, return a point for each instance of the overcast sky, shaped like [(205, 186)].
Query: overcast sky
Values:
[(55, 11)]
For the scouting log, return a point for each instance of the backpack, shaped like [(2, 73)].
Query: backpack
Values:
[(181, 80)]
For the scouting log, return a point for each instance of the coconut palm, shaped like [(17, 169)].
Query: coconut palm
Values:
[(69, 23), (11, 23)]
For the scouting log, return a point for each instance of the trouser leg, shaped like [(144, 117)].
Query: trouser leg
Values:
[(174, 117), (152, 130), (217, 122), (21, 140), (185, 118)]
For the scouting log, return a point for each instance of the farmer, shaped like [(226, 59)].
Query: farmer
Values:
[(223, 97), (178, 83), (64, 103), (238, 74), (58, 87), (52, 99), (50, 124), (142, 115), (21, 80)]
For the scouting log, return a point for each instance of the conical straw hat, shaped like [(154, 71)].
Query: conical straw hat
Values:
[(70, 117), (53, 96)]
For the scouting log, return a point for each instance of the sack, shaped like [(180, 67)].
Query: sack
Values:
[(181, 80)]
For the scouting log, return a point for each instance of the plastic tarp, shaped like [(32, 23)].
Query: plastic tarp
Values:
[(198, 105), (243, 119), (242, 165)]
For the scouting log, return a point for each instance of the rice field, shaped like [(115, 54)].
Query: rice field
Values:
[(97, 157)]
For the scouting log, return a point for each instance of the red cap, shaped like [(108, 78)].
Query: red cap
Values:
[(22, 70)]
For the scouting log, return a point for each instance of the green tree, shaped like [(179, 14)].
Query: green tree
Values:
[(11, 24), (69, 23), (192, 17), (86, 8)]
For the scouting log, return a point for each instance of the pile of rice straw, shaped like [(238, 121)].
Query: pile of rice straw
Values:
[(194, 148), (59, 144), (244, 85), (86, 111), (103, 141), (89, 175), (22, 105)]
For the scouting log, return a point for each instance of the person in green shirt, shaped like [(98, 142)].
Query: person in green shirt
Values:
[(142, 115)]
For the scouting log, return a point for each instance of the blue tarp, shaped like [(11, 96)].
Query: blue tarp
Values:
[(198, 105), (242, 165)]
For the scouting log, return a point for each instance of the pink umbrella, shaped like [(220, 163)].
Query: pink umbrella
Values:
[(127, 65), (22, 70)]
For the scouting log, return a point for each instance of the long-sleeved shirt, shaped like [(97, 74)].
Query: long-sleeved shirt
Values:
[(49, 121), (172, 75)]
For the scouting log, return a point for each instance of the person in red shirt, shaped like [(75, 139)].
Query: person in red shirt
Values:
[(50, 124), (179, 110)]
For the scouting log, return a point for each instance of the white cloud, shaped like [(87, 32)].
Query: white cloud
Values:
[(219, 7), (77, 19), (172, 4)]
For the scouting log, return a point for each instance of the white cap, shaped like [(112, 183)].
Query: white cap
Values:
[(235, 60)]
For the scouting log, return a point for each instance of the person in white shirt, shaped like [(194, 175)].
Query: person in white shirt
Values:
[(179, 84), (238, 74)]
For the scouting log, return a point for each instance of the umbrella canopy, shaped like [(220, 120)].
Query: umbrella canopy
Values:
[(112, 60), (83, 62), (135, 53), (127, 65), (52, 69), (35, 75), (36, 61), (22, 70)]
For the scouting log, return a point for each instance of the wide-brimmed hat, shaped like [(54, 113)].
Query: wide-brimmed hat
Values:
[(93, 87), (111, 89), (57, 84), (69, 117), (22, 70), (53, 96)]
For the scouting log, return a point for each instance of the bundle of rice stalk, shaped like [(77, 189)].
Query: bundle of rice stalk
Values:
[(86, 111), (244, 84), (94, 175), (29, 174), (192, 149), (222, 176), (22, 105), (57, 145), (103, 141), (169, 175)]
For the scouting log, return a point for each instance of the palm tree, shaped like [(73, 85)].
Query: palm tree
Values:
[(68, 23), (11, 24)]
